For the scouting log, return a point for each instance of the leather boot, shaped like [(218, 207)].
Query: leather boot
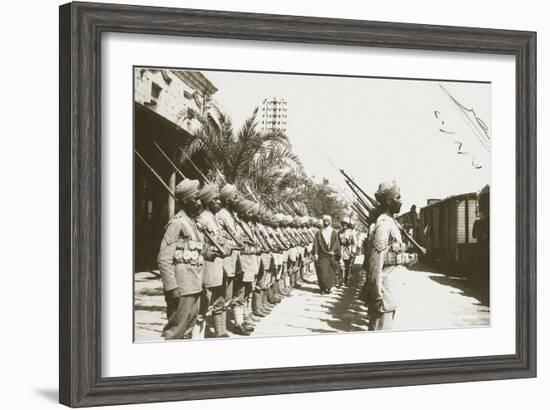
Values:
[(277, 288), (250, 319), (265, 307), (297, 280), (248, 323), (277, 291), (277, 296), (240, 328), (268, 300), (257, 304), (282, 289), (219, 326), (198, 329), (271, 296)]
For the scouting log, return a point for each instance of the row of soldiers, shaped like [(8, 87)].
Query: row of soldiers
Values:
[(221, 254)]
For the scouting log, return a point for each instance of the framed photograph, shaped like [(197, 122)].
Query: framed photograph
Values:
[(259, 204)]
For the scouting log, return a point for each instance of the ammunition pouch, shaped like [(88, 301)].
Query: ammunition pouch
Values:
[(400, 258), (189, 252), (249, 250)]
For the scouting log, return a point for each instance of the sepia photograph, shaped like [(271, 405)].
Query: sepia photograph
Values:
[(270, 204)]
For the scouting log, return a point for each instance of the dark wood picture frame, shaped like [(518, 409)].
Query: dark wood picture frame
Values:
[(81, 28)]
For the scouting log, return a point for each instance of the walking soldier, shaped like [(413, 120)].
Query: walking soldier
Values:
[(348, 244)]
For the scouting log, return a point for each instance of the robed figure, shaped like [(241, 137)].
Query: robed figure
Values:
[(327, 254)]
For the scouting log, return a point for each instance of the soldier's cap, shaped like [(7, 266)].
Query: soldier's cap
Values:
[(228, 192), (327, 217), (386, 190), (186, 188), (208, 193), (346, 220)]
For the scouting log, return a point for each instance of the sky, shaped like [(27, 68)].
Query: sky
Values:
[(376, 129)]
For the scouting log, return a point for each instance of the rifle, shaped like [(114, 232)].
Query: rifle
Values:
[(169, 160), (194, 166), (249, 234), (239, 243), (159, 178), (369, 216), (225, 182), (263, 241), (360, 215), (376, 205), (358, 197), (275, 237)]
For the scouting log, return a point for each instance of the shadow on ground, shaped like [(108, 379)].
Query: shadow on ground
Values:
[(465, 286)]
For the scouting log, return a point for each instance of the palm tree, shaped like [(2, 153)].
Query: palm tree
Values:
[(263, 161)]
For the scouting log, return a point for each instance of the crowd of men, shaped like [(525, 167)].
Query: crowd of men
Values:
[(223, 254)]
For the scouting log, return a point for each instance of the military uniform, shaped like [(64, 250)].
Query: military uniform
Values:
[(214, 283), (226, 220), (263, 278), (387, 251), (249, 263), (180, 262), (348, 244)]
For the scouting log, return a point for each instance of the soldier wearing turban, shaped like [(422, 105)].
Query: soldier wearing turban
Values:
[(385, 246), (180, 262), (249, 261), (234, 280), (266, 289), (214, 281)]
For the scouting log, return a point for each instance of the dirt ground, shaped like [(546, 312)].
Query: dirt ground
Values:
[(427, 300)]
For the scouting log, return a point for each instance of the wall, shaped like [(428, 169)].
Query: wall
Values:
[(29, 205)]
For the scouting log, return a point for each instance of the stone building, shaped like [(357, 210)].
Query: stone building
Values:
[(162, 99)]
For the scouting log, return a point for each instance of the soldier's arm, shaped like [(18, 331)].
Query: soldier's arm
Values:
[(380, 245), (166, 256)]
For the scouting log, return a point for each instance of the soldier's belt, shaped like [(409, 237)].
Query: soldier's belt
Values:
[(249, 250), (401, 258)]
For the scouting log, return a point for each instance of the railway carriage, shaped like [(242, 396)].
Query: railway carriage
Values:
[(446, 229)]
